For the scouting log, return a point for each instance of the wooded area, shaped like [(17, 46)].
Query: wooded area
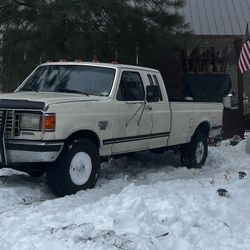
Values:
[(35, 31)]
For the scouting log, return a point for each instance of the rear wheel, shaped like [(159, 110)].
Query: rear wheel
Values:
[(76, 169), (194, 154)]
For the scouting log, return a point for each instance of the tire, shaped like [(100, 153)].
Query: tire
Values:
[(76, 169), (194, 154)]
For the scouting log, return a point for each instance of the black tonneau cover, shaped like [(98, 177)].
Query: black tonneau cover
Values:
[(208, 87)]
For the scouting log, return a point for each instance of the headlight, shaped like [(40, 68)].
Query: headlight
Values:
[(38, 122), (31, 122)]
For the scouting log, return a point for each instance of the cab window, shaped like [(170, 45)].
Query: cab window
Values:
[(131, 87), (150, 80), (157, 84)]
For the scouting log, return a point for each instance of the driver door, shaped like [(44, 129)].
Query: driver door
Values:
[(133, 121)]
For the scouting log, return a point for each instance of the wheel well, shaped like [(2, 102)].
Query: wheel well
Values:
[(204, 128), (86, 134)]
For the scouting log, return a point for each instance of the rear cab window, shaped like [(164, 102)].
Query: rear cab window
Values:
[(153, 81)]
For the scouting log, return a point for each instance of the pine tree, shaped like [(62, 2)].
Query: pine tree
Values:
[(37, 30)]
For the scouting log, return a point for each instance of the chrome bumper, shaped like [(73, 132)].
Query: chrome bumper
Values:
[(23, 151), (16, 151)]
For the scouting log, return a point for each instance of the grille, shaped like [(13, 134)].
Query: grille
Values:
[(12, 123), (9, 124), (1, 117)]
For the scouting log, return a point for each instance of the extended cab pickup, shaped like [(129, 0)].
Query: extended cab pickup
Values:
[(65, 118)]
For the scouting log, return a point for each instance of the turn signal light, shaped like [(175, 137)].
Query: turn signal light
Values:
[(50, 122)]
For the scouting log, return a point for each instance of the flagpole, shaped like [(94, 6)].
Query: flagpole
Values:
[(241, 121)]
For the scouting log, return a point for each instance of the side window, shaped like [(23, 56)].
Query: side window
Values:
[(150, 80), (131, 87), (157, 84)]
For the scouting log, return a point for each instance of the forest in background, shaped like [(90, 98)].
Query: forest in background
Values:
[(34, 31)]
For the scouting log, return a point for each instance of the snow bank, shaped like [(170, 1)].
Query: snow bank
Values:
[(147, 202)]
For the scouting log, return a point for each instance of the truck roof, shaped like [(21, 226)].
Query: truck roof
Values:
[(109, 65)]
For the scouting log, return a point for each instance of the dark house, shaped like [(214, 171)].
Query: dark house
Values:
[(221, 24)]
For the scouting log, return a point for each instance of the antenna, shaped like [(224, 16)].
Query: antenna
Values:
[(137, 54)]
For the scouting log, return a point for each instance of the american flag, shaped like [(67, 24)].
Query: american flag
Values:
[(244, 61)]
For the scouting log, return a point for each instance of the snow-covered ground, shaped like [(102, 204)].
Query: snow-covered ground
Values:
[(147, 202)]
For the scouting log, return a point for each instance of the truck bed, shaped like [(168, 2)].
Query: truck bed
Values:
[(194, 112)]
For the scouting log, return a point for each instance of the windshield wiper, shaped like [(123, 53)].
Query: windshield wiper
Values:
[(65, 90), (28, 89)]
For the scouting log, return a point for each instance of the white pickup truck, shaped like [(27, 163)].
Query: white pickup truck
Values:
[(68, 117)]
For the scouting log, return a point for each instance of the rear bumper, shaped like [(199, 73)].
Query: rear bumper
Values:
[(15, 151)]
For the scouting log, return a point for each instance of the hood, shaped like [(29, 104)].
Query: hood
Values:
[(41, 99)]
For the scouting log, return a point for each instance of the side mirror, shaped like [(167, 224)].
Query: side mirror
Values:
[(152, 93)]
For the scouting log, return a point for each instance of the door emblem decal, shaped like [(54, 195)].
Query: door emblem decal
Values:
[(102, 125)]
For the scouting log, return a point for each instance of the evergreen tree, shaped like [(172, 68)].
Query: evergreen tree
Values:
[(37, 30)]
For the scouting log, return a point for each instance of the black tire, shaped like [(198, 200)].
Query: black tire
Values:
[(194, 154), (60, 178)]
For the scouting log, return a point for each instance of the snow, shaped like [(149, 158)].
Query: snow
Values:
[(146, 202)]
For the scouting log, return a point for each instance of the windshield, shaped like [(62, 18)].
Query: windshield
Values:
[(88, 80)]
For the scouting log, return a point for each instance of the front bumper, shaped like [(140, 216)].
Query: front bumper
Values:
[(16, 151)]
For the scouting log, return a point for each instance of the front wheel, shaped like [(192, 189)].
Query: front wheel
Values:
[(194, 154), (76, 169)]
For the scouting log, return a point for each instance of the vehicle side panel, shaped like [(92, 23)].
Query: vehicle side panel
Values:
[(96, 116), (187, 116)]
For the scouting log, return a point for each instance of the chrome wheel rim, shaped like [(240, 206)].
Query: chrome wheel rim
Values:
[(80, 168), (200, 150)]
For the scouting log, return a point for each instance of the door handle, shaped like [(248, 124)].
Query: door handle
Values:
[(148, 107)]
